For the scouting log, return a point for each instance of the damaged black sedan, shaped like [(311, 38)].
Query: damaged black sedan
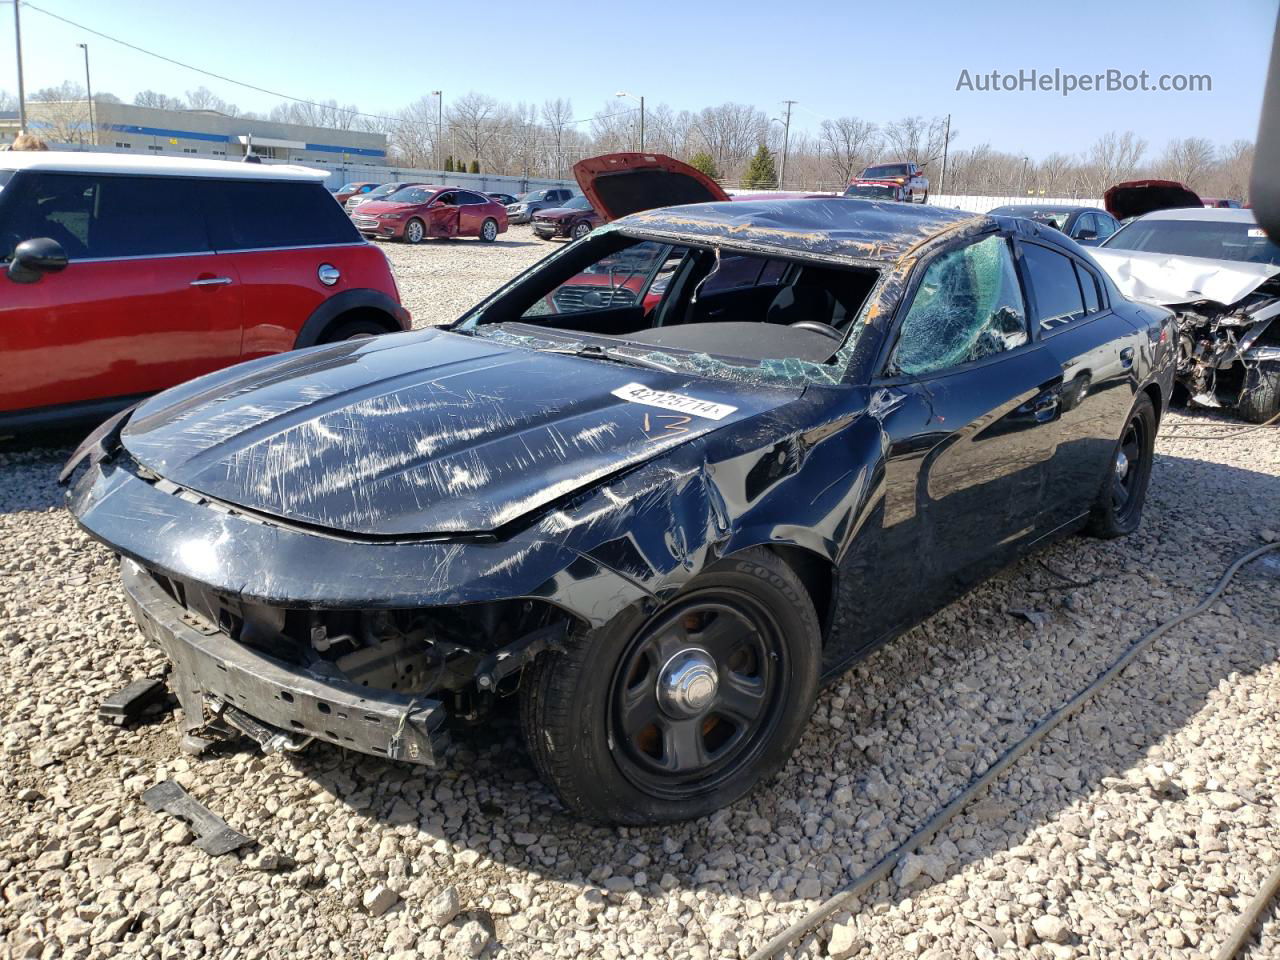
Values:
[(660, 487)]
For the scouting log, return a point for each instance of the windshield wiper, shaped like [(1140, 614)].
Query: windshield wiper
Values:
[(596, 351)]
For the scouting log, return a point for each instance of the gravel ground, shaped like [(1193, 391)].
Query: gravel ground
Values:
[(1140, 828)]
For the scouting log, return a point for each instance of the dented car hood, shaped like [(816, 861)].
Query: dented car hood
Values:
[(1167, 279), (423, 433)]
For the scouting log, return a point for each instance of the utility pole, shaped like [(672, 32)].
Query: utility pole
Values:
[(786, 139), (632, 96), (1022, 179), (946, 141), (93, 123), (439, 95), (22, 97)]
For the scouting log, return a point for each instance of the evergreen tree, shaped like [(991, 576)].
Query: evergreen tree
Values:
[(475, 166), (761, 172), (448, 164), (706, 163)]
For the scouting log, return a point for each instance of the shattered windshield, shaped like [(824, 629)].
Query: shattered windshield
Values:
[(702, 309), (1242, 241)]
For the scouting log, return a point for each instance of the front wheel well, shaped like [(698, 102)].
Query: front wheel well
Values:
[(816, 573)]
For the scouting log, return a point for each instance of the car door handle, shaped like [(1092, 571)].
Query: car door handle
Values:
[(211, 282), (1126, 357)]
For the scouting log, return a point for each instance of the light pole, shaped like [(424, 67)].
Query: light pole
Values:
[(22, 97), (93, 125), (623, 93), (786, 139), (1022, 180), (439, 95)]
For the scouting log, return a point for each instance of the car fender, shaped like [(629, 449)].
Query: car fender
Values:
[(363, 298)]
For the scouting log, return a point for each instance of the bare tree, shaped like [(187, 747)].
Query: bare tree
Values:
[(1235, 165), (1188, 160), (413, 136), (731, 132), (556, 115), (849, 144), (472, 124), (159, 101), (63, 112), (1112, 158), (1051, 174), (916, 139)]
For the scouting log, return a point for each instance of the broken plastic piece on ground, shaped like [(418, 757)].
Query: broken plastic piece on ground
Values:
[(213, 836), (128, 705), (1037, 618)]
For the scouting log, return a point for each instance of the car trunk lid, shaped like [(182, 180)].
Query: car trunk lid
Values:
[(1133, 198)]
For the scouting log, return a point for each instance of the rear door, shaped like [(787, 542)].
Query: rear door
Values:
[(144, 302), (276, 235), (1096, 351), (472, 211)]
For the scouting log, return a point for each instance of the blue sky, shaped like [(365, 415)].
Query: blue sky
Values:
[(868, 61)]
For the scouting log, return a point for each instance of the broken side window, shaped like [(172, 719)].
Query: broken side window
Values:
[(968, 306)]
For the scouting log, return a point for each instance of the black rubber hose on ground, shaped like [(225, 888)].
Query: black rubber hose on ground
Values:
[(886, 865)]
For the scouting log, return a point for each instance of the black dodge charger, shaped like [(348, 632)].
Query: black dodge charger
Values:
[(767, 437)]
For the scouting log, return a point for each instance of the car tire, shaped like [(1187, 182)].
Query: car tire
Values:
[(925, 198), (580, 230), (415, 231), (489, 230), (671, 712), (911, 197), (359, 329), (1260, 398), (1118, 509)]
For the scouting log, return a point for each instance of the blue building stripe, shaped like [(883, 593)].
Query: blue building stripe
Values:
[(176, 134), (358, 151), (223, 138)]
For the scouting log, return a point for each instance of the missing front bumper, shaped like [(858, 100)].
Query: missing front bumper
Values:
[(209, 664)]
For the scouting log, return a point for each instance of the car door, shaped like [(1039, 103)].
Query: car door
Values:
[(1096, 350), (443, 214), (966, 406), (143, 303), (277, 234), (472, 210)]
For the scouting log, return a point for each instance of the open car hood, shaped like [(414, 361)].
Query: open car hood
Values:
[(422, 433), (1133, 198), (618, 184), (1169, 280)]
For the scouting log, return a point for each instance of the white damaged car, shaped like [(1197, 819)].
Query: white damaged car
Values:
[(1220, 274)]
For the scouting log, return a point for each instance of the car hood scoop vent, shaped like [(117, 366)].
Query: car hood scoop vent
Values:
[(421, 433)]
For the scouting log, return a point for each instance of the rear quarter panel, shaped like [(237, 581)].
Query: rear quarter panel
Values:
[(281, 289)]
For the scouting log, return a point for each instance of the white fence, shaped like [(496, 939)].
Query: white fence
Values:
[(976, 204)]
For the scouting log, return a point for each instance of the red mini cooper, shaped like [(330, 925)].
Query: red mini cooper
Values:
[(126, 275), (416, 212)]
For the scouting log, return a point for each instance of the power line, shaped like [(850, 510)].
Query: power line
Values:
[(252, 86)]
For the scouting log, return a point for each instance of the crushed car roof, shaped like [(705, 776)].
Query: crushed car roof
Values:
[(840, 228)]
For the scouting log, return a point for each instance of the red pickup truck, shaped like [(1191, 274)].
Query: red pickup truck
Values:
[(907, 175)]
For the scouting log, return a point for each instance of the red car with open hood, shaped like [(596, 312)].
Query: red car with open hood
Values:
[(416, 213)]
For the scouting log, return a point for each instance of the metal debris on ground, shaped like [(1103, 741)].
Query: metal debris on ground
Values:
[(127, 706), (213, 836)]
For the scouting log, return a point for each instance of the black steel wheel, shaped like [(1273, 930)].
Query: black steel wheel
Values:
[(695, 692), (672, 713), (1124, 490)]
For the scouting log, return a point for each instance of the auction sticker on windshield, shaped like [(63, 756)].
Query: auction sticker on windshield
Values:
[(639, 393)]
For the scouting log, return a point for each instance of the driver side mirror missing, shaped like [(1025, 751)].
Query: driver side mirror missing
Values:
[(32, 259)]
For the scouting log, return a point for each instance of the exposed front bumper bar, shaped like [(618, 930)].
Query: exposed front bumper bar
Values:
[(208, 663)]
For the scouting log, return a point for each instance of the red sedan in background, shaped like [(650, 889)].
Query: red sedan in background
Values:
[(416, 213), (349, 190)]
